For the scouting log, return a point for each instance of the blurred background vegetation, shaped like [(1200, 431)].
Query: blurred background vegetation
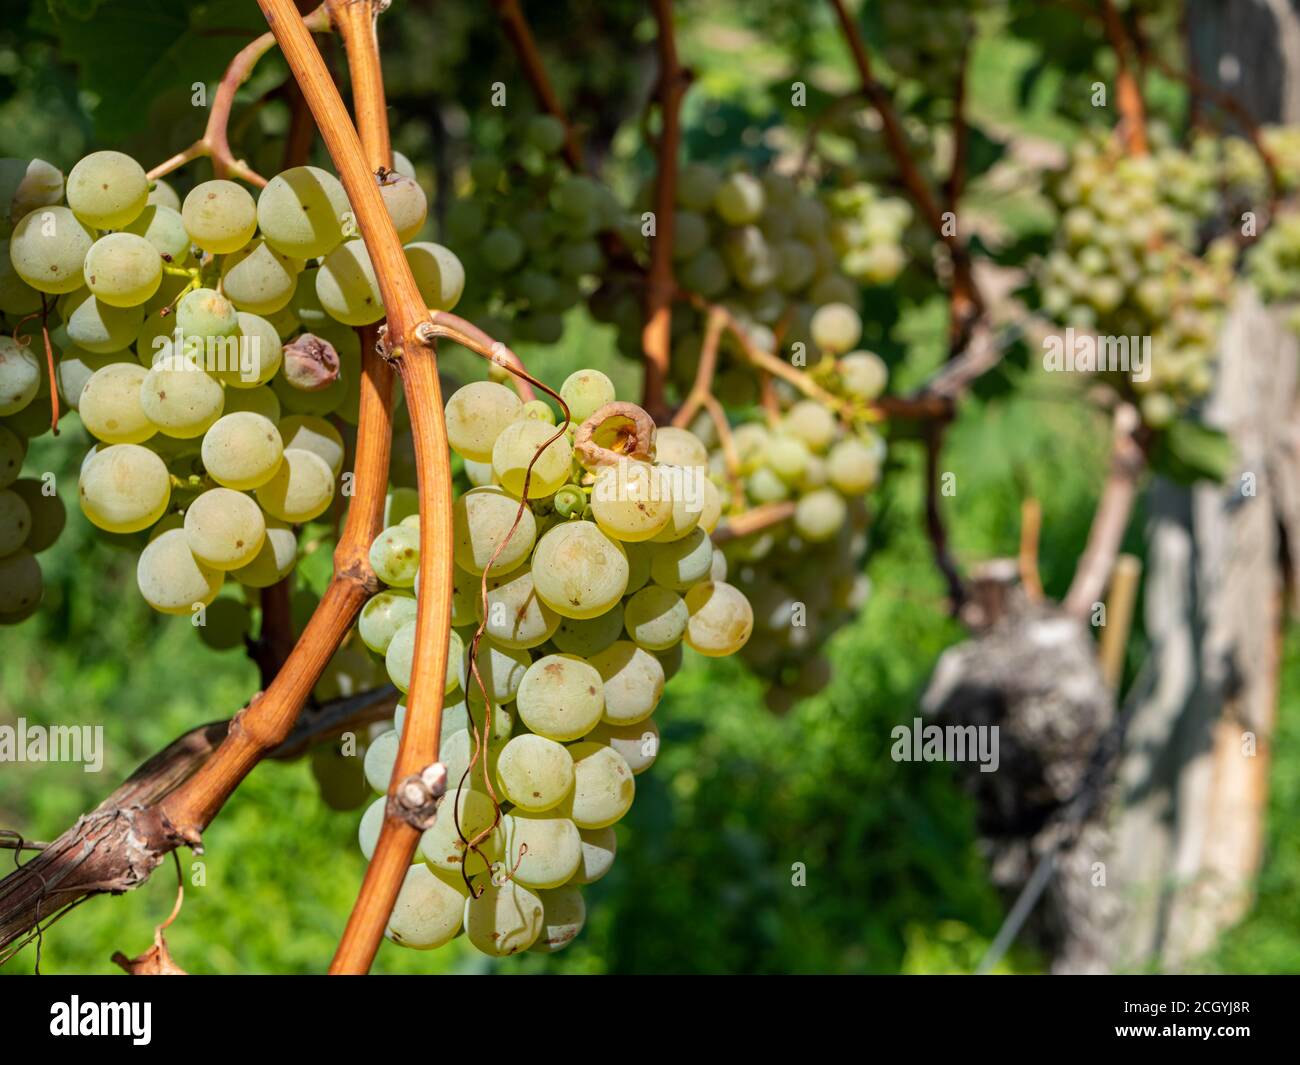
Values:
[(895, 881)]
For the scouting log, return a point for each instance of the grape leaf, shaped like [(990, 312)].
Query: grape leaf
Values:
[(132, 52)]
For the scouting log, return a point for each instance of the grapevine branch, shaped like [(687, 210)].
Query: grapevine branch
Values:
[(104, 851), (1128, 91), (656, 336), (215, 142), (1127, 461), (516, 28), (405, 345)]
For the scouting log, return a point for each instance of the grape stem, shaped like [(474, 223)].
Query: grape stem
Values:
[(1130, 442), (530, 58), (215, 142), (752, 521), (661, 287), (965, 301), (1128, 90), (465, 333)]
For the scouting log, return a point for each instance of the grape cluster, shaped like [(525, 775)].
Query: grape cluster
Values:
[(529, 233), (1128, 261), (205, 345), (868, 231), (758, 246), (803, 575), (586, 563)]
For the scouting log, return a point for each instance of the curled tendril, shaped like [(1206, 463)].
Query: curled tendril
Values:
[(615, 432), (468, 335)]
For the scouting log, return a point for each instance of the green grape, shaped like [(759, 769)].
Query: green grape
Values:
[(787, 457), (585, 392), (382, 616), (810, 423), (303, 211), (561, 697), (110, 406), (261, 401), (513, 455), (406, 204), (442, 846), (395, 555), (633, 682), (588, 636), (170, 578), (429, 911), (17, 297), (680, 447), (124, 488), (220, 216), (226, 624), (690, 234), (224, 528), (836, 327), (637, 743), (476, 415), (347, 287), (380, 758), (300, 401), (501, 669), (99, 327), (535, 773), (819, 515), (339, 777), (20, 376), (15, 521), (399, 658), (301, 489), (697, 185), (257, 279), (721, 619), (439, 275), (852, 467), (516, 616), (25, 185), (162, 194), (276, 559), (164, 228), (305, 304), (480, 474), (705, 274), (181, 399), (765, 485), (107, 190), (400, 504), (47, 513), (638, 566), (655, 618), (599, 846), (739, 199), (484, 519), (242, 450), (13, 449), (21, 586), (545, 133), (314, 434), (124, 270), (48, 250), (564, 913), (578, 571), (501, 249), (863, 375), (630, 500), (206, 313), (541, 849), (682, 563), (603, 785), (538, 410), (504, 919), (371, 823)]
